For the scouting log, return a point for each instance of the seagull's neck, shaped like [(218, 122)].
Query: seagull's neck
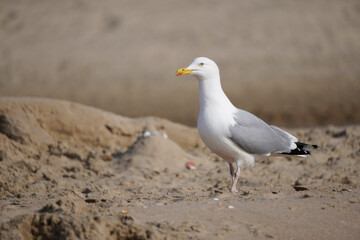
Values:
[(211, 94)]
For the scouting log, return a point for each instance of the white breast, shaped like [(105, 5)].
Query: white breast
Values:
[(213, 126), (215, 117)]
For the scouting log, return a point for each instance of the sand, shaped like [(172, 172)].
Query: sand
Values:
[(70, 171)]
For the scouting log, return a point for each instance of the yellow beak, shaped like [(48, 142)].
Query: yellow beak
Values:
[(183, 71)]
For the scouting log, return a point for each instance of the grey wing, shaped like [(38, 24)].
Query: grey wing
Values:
[(283, 133), (254, 136)]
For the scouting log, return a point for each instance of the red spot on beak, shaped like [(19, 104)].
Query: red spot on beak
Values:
[(180, 74)]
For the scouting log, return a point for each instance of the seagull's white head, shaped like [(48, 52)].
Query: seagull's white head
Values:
[(201, 67)]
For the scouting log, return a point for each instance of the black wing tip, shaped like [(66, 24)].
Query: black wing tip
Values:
[(302, 149), (297, 151), (302, 145)]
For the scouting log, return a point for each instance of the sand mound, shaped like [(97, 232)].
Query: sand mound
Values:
[(47, 145), (70, 171), (43, 121), (155, 153), (41, 135)]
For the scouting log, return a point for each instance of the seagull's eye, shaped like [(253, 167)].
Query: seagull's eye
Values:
[(202, 64)]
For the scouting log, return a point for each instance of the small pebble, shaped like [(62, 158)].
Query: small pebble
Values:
[(216, 199), (125, 211), (146, 134), (230, 207)]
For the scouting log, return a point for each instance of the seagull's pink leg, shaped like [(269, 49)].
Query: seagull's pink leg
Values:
[(232, 172), (235, 177)]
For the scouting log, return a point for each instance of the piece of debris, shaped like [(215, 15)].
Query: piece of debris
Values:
[(190, 165), (107, 158), (300, 188), (345, 190), (146, 134), (124, 211), (245, 193)]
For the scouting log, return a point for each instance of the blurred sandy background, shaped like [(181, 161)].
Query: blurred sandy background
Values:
[(294, 63)]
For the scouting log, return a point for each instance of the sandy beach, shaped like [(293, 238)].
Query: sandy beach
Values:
[(70, 171), (96, 130)]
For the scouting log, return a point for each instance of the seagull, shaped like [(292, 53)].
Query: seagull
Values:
[(235, 135)]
